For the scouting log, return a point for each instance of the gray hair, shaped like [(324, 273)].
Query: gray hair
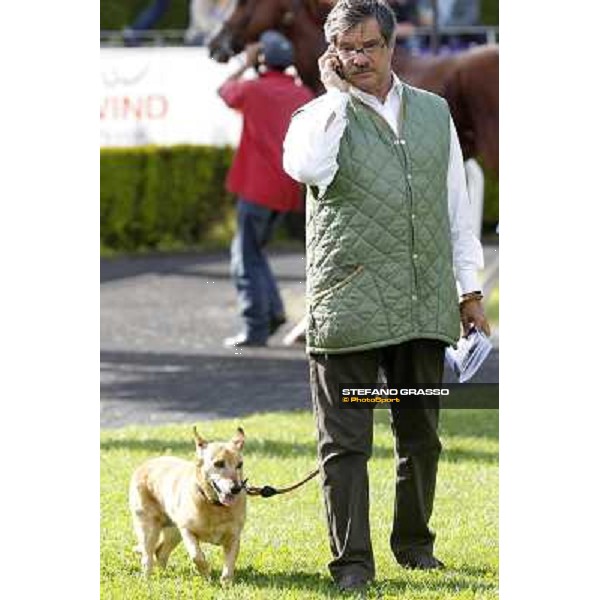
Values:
[(347, 14)]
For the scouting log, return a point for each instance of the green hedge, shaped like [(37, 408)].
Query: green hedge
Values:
[(168, 198), (116, 14), (489, 12), (164, 197)]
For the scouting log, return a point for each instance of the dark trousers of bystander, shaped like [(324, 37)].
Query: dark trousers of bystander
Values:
[(345, 440), (258, 296)]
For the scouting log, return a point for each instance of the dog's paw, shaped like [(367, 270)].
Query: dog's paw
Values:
[(226, 580), (202, 567)]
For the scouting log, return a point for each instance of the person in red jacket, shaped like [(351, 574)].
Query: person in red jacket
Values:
[(264, 191)]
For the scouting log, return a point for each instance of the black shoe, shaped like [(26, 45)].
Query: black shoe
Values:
[(419, 560), (276, 322), (242, 340), (353, 582)]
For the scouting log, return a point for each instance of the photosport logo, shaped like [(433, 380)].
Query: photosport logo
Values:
[(451, 395)]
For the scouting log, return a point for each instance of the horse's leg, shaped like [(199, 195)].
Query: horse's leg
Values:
[(475, 187)]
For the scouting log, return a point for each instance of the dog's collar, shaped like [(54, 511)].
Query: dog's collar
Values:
[(209, 500)]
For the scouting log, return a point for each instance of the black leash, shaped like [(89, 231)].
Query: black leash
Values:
[(266, 491)]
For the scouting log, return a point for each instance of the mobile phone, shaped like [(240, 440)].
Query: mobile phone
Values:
[(338, 68), (338, 63)]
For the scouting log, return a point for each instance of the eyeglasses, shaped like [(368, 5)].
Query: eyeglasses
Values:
[(369, 49)]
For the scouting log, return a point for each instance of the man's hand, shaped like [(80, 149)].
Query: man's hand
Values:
[(473, 315), (252, 52), (330, 67)]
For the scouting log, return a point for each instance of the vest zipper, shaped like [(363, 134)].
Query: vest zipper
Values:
[(412, 255)]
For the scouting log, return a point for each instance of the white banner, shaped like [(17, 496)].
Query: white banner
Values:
[(164, 96)]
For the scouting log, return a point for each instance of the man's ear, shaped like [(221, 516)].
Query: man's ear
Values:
[(201, 443), (238, 439)]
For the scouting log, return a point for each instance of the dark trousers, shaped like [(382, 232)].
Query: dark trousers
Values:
[(345, 439), (258, 294)]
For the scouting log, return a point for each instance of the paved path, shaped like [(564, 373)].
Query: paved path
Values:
[(163, 320)]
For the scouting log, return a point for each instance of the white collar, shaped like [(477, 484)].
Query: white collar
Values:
[(397, 86)]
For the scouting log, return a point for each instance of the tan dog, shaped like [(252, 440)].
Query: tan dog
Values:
[(173, 499)]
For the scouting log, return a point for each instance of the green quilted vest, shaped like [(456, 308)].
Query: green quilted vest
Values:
[(378, 246)]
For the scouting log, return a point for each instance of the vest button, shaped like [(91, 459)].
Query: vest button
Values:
[(414, 297), (413, 216), (415, 256), (409, 177)]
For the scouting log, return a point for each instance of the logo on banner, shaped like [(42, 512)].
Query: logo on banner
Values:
[(150, 107), (163, 96), (124, 74), (130, 106)]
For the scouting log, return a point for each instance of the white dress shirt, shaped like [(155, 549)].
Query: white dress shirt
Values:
[(310, 154)]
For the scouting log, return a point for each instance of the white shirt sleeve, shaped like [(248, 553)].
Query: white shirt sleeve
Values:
[(312, 141), (466, 248)]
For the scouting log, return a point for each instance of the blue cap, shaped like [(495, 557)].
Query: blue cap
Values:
[(277, 49)]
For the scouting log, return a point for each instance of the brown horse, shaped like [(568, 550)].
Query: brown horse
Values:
[(468, 80)]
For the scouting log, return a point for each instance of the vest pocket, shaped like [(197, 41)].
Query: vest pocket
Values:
[(315, 299), (345, 314)]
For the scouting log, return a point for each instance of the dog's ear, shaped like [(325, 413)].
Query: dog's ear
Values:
[(238, 439), (201, 443)]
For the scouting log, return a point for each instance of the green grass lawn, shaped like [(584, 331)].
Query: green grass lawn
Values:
[(284, 550)]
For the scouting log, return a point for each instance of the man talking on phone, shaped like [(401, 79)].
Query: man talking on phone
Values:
[(388, 236)]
